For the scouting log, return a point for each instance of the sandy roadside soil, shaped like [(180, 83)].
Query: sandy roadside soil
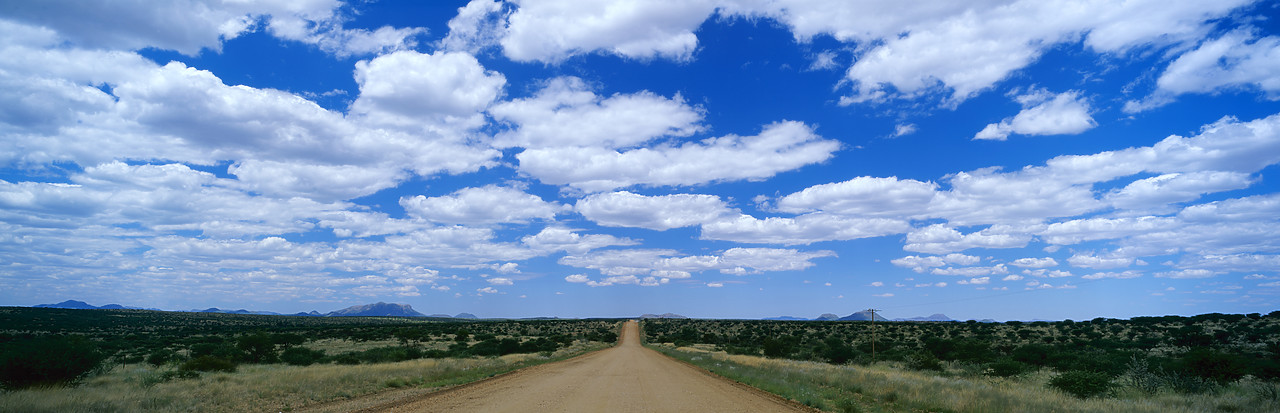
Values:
[(625, 378)]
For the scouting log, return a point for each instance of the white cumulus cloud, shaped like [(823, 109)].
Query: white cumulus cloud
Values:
[(780, 147), (627, 209), (480, 206), (1064, 114)]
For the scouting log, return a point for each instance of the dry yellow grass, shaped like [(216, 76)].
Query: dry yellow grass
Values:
[(259, 388)]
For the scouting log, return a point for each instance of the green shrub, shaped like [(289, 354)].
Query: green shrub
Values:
[(220, 350), (1213, 365), (48, 360), (299, 356), (1006, 368), (380, 355), (837, 351), (924, 361), (1033, 354), (178, 374), (161, 356), (1083, 384), (1266, 391), (1140, 376), (1188, 384), (208, 363)]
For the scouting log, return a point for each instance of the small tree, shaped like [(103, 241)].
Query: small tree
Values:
[(46, 361), (258, 348)]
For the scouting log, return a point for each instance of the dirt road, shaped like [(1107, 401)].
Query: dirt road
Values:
[(625, 378)]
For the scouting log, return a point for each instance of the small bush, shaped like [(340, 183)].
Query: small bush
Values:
[(347, 358), (1188, 384), (847, 406), (1266, 391), (380, 355), (1083, 384), (152, 379), (1213, 365), (1140, 376), (299, 356), (46, 361), (1006, 368), (160, 357), (924, 361), (208, 363)]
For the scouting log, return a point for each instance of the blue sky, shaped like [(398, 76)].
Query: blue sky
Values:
[(715, 158)]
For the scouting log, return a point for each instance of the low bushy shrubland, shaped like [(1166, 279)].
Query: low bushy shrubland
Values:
[(1187, 355)]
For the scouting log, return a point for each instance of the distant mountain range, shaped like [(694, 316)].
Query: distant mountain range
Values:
[(786, 318), (240, 311), (861, 316), (81, 305), (379, 309), (666, 315)]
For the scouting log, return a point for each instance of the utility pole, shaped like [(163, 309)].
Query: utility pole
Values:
[(873, 333)]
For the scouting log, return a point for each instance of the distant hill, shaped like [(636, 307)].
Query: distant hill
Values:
[(666, 315), (935, 317), (862, 316), (369, 310), (69, 304), (379, 309), (240, 311), (81, 305)]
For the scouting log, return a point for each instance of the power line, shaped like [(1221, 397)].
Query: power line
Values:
[(873, 333)]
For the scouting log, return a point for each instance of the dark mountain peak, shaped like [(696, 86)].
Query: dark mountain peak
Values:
[(379, 309), (827, 317), (69, 304), (862, 316), (466, 315)]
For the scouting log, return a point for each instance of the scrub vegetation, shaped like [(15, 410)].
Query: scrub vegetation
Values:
[(1211, 362), (137, 360)]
